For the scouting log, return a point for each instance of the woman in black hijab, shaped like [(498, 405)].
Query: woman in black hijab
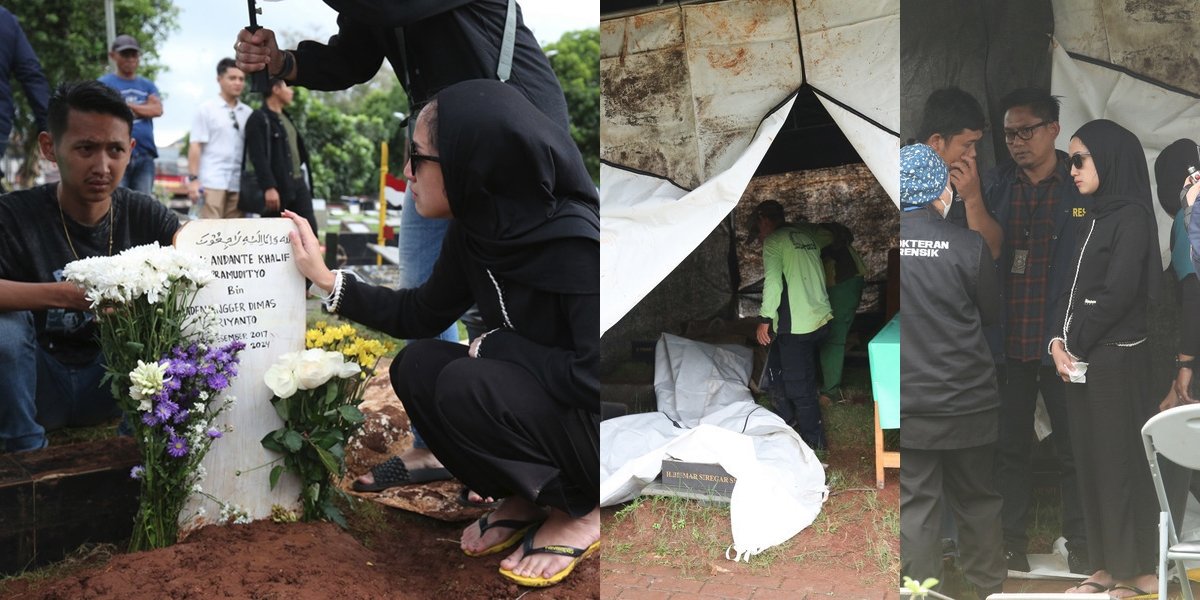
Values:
[(516, 415), (1102, 320)]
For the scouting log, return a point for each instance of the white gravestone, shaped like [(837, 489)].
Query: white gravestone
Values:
[(258, 295)]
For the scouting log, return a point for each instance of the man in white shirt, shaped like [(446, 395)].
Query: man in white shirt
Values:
[(215, 151)]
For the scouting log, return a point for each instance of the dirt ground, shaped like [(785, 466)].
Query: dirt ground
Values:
[(385, 553), (669, 548), (409, 558)]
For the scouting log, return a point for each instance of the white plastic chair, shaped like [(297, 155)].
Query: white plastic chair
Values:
[(1174, 434)]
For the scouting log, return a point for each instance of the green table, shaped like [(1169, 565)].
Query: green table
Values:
[(884, 354)]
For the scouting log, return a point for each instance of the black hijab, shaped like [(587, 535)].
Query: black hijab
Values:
[(1169, 170), (521, 197), (1124, 181)]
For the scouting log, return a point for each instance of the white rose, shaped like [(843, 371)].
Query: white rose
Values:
[(281, 379), (314, 368), (348, 369)]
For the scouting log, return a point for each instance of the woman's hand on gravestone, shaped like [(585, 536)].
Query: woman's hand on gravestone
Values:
[(307, 250)]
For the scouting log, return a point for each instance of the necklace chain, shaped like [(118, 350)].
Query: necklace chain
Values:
[(63, 219)]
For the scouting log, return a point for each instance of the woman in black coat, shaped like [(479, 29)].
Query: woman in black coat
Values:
[(516, 415), (1101, 347)]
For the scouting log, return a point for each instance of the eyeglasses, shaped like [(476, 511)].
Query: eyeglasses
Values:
[(1076, 160), (416, 158), (1025, 133), (233, 117)]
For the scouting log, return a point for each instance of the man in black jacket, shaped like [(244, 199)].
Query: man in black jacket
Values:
[(275, 152), (948, 396), (431, 45)]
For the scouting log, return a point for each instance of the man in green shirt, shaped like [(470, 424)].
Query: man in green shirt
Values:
[(796, 306)]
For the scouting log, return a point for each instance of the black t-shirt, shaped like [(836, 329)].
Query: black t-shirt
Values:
[(34, 249)]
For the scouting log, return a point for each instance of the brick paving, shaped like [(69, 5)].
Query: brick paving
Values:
[(657, 582)]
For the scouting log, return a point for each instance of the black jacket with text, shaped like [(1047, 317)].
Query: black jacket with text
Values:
[(948, 291)]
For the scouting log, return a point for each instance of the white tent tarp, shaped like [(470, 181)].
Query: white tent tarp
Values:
[(707, 415), (1157, 115), (851, 56), (648, 225)]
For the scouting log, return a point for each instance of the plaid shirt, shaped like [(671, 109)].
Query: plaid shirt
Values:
[(1030, 228)]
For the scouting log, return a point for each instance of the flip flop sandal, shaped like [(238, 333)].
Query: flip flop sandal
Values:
[(1139, 593), (1100, 588), (393, 472), (464, 499), (519, 528), (576, 554)]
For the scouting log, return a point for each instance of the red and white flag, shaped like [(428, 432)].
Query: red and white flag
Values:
[(394, 192)]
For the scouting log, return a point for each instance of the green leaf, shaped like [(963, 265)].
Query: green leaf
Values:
[(135, 346), (282, 406), (292, 441), (333, 514), (275, 473), (351, 414), (271, 441), (327, 459), (331, 392)]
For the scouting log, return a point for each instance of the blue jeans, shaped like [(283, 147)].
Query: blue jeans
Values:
[(139, 175), (38, 393), (420, 244)]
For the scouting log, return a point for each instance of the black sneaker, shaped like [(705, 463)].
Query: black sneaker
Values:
[(1078, 563), (1016, 561)]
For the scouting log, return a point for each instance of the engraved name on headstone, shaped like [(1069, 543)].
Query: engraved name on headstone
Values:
[(258, 297)]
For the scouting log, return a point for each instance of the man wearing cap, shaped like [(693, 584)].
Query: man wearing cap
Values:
[(143, 99), (796, 305), (949, 402)]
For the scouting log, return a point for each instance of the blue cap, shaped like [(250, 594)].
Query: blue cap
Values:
[(923, 176)]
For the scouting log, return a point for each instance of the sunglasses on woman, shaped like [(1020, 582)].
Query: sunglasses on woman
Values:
[(416, 158), (1076, 160)]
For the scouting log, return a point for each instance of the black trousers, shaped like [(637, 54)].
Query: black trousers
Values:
[(1019, 387), (1120, 509), (497, 430), (793, 363), (960, 480), (299, 201)]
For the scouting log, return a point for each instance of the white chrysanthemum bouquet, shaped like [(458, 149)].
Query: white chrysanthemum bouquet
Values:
[(165, 372)]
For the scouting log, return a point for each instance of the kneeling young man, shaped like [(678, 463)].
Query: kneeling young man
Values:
[(50, 362)]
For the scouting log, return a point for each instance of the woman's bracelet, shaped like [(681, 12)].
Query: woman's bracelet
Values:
[(334, 298)]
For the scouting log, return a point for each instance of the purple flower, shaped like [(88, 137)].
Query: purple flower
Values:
[(177, 447), (149, 419), (165, 410), (180, 416), (217, 381), (213, 433), (136, 472)]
